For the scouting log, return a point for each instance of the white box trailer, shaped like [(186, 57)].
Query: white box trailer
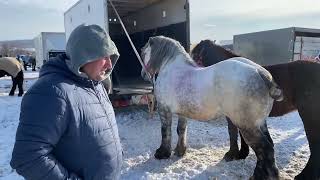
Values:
[(48, 45), (279, 45), (142, 19)]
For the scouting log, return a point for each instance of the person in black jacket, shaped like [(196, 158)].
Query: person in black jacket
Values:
[(67, 127), (32, 60)]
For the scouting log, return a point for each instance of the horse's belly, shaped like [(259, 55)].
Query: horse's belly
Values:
[(199, 113), (201, 117)]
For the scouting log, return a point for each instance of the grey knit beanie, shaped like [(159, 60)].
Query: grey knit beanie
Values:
[(87, 44)]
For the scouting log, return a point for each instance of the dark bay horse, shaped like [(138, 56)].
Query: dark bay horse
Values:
[(189, 91), (300, 82)]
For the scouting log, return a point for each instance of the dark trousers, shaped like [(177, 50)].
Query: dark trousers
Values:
[(33, 66), (25, 66), (18, 80)]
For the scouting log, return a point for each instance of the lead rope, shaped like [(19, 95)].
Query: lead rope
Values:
[(100, 99)]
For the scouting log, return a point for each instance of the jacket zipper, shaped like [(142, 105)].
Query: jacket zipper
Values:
[(105, 112)]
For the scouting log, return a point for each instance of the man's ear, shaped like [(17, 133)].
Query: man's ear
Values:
[(81, 69), (114, 59)]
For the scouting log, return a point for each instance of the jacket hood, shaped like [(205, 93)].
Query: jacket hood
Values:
[(87, 44), (59, 66)]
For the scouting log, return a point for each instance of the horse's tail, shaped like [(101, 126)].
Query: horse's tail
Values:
[(274, 90)]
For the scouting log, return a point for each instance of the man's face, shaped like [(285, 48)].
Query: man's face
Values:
[(97, 70)]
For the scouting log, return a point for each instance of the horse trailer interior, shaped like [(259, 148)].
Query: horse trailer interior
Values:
[(278, 46), (142, 19)]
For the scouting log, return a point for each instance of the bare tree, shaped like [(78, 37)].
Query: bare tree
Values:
[(5, 49)]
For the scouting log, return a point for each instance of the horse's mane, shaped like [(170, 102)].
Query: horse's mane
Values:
[(165, 48), (207, 53), (207, 43)]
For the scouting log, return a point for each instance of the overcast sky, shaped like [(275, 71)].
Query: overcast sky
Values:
[(214, 19)]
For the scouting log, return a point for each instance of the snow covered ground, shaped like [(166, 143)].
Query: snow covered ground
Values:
[(140, 137)]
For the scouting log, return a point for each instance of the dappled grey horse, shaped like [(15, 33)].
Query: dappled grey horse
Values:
[(243, 92), (300, 83)]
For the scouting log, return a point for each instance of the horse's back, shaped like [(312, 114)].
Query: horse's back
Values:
[(234, 67), (296, 75), (231, 75), (305, 77), (306, 71)]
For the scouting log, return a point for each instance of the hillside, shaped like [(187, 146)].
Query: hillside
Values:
[(27, 43)]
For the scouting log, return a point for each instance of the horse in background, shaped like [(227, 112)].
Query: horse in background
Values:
[(300, 82), (184, 89), (10, 66)]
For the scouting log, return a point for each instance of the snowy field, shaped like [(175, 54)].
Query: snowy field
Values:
[(140, 137)]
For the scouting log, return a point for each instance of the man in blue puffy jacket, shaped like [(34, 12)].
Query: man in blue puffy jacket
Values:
[(67, 127)]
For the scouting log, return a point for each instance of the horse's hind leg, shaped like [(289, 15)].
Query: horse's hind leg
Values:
[(258, 141), (164, 151), (244, 151), (233, 153), (180, 150)]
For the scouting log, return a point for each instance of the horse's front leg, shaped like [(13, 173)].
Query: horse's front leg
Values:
[(264, 128), (244, 150), (180, 150), (164, 151), (233, 153)]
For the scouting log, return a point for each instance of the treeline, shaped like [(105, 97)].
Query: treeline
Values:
[(7, 50)]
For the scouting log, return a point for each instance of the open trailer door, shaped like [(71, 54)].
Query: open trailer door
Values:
[(142, 20)]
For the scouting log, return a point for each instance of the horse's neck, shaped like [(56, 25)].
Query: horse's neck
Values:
[(228, 55)]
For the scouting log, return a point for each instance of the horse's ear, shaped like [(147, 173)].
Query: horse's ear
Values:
[(151, 40)]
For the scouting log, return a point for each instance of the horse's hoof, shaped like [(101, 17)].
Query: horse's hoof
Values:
[(180, 151), (300, 177), (243, 153), (162, 153), (266, 173), (231, 156)]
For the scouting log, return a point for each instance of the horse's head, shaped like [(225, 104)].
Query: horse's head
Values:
[(157, 51), (207, 53)]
